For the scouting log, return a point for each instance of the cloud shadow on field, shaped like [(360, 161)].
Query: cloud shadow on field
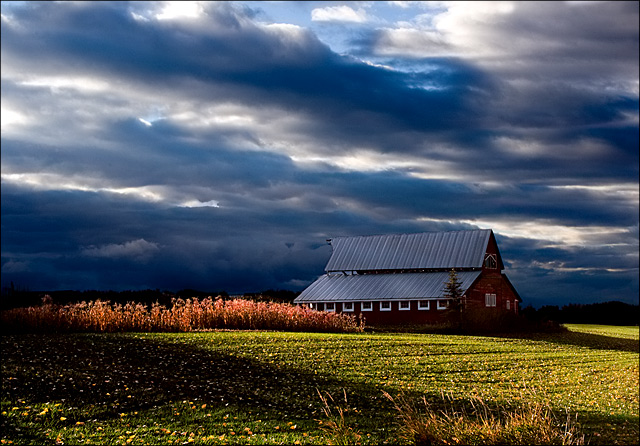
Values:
[(114, 374)]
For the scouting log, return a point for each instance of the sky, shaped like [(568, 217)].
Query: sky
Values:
[(218, 145)]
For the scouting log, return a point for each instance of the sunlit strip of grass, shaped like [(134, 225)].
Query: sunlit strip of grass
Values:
[(624, 332)]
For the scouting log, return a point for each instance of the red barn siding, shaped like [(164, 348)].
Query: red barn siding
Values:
[(492, 283), (395, 316)]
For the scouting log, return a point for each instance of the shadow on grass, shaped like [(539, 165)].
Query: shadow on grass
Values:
[(589, 340), (109, 374), (562, 336)]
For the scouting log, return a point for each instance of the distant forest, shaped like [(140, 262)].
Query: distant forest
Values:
[(13, 297), (606, 313)]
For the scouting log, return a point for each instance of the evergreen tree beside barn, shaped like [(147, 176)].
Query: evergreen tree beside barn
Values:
[(401, 278)]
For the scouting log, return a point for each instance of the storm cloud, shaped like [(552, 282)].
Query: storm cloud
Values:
[(218, 145)]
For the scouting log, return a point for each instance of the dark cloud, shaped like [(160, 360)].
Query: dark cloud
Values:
[(236, 60), (219, 152)]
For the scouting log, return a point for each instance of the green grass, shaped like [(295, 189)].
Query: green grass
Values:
[(624, 332), (246, 387)]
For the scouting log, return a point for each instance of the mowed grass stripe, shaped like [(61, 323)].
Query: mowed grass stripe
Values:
[(261, 387), (624, 332)]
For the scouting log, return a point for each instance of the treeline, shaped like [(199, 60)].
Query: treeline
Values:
[(606, 313), (282, 296), (19, 298)]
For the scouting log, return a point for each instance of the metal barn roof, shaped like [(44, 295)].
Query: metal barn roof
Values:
[(359, 287), (428, 250)]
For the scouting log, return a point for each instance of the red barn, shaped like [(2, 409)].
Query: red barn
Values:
[(400, 278)]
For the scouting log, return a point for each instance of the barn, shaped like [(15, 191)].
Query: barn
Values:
[(400, 278)]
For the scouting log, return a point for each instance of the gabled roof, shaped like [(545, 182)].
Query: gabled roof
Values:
[(428, 250), (518, 298), (363, 287)]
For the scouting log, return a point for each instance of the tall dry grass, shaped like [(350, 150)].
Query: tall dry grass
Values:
[(533, 423), (182, 316), (337, 431)]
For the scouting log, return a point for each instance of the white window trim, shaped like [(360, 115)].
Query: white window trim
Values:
[(362, 308), (345, 309), (490, 300), (442, 307), (330, 310), (494, 259), (508, 304), (385, 309), (420, 307), (408, 302)]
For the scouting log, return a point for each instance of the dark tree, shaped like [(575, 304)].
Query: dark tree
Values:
[(454, 293)]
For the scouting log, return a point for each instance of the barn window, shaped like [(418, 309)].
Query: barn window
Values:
[(508, 304), (423, 305), (489, 300), (347, 306), (443, 304), (366, 306), (385, 306), (320, 306), (329, 306), (404, 305), (490, 261)]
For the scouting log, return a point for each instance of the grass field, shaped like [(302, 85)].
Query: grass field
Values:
[(257, 387), (623, 332)]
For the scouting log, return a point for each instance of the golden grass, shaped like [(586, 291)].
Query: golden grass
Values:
[(336, 429), (530, 424), (182, 316)]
